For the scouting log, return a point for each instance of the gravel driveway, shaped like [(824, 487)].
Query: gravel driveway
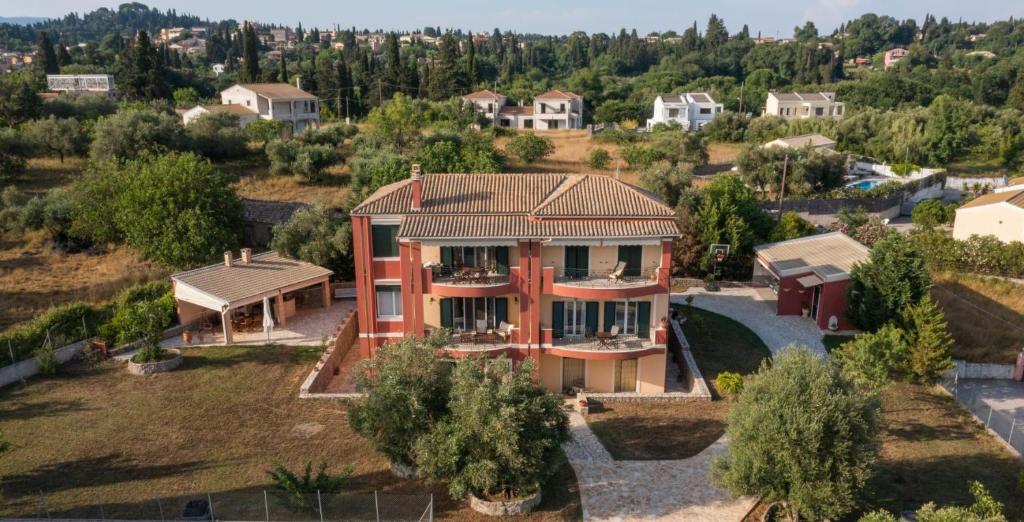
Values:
[(755, 309)]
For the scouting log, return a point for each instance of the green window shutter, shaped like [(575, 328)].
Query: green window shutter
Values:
[(609, 315), (385, 240), (643, 319), (557, 319), (446, 313), (592, 309), (576, 261), (501, 259), (500, 310), (446, 256), (633, 256)]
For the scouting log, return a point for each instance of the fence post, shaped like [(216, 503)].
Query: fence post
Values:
[(266, 505), (209, 500), (103, 514), (42, 500), (160, 506), (431, 507), (1009, 439), (987, 421), (376, 505)]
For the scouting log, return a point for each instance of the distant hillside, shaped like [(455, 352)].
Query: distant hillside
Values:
[(22, 20)]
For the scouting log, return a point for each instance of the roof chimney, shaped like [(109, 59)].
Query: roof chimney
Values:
[(229, 259), (246, 256), (417, 189), (298, 82)]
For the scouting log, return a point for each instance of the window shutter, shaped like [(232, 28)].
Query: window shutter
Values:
[(446, 256), (500, 310), (609, 315), (591, 325), (557, 319), (643, 319), (501, 259), (633, 257), (446, 313)]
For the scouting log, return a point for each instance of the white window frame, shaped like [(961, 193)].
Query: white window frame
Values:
[(629, 323), (469, 303), (396, 302), (575, 319)]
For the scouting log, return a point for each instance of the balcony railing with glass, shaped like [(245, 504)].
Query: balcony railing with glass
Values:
[(606, 278), (469, 275)]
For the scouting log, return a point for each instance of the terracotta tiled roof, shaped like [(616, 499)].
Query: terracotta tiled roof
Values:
[(523, 205), (278, 91), (1013, 197), (556, 94), (267, 272), (831, 255), (482, 95)]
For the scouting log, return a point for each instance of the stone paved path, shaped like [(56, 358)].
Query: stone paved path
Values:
[(657, 490), (755, 308)]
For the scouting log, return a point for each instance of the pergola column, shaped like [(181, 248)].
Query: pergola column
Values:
[(280, 309), (326, 285), (225, 321)]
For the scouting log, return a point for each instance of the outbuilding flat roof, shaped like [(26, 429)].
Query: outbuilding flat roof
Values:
[(265, 274), (831, 256)]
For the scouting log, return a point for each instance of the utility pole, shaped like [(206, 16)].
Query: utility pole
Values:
[(380, 93), (347, 120), (782, 188), (742, 85)]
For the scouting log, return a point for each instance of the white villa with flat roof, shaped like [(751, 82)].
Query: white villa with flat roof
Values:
[(796, 105), (691, 110), (551, 110)]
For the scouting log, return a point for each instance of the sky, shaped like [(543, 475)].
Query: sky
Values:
[(768, 17)]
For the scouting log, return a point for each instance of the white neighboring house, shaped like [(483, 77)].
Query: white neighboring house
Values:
[(803, 105), (550, 110), (245, 115), (814, 141), (691, 110), (276, 101), (1000, 214), (218, 69)]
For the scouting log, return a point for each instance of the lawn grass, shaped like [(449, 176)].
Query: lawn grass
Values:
[(679, 430), (930, 448), (99, 436), (35, 276), (985, 315)]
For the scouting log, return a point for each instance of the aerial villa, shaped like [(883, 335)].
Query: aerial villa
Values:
[(570, 270)]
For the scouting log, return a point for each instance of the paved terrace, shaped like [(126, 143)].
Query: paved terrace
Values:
[(306, 327)]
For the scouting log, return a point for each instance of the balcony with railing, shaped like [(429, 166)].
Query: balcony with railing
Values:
[(603, 346), (616, 282), (467, 281)]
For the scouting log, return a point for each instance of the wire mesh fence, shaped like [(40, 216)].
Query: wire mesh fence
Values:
[(248, 505), (1005, 426)]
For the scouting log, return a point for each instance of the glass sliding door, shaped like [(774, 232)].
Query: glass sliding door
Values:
[(626, 317), (466, 311), (575, 319)]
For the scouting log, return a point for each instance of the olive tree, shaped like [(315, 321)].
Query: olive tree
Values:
[(318, 235), (529, 147), (800, 434), (133, 132)]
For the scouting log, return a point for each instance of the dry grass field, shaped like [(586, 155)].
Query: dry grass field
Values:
[(259, 184), (100, 442), (985, 315), (34, 276)]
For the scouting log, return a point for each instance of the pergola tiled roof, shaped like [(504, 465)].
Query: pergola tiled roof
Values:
[(522, 206), (220, 286)]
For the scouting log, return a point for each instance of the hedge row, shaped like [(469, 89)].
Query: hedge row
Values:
[(983, 255), (74, 322)]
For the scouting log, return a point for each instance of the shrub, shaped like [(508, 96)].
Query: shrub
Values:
[(406, 387), (870, 358), (307, 161), (265, 131), (727, 126), (794, 415), (729, 383), (791, 226), (984, 509), (599, 159), (931, 213), (216, 135), (61, 325), (301, 492), (529, 147), (501, 436), (47, 359), (893, 279), (641, 156)]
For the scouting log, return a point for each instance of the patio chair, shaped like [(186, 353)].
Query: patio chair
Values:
[(618, 271), (505, 331), (605, 339)]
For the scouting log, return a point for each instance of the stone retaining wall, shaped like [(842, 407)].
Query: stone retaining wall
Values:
[(967, 370), (159, 366), (344, 340)]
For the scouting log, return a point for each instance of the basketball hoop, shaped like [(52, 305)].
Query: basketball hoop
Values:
[(719, 252)]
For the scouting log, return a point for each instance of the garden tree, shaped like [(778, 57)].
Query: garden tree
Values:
[(373, 168), (800, 434), (984, 509), (216, 135), (931, 213), (132, 132), (948, 128), (319, 235), (282, 70), (672, 184), (618, 111), (186, 97), (51, 212), (305, 160), (175, 209), (599, 159), (892, 280), (791, 226), (14, 151), (406, 387), (397, 123), (929, 341), (264, 131), (469, 152), (83, 107), (680, 147), (729, 212), (871, 232), (728, 126), (529, 147), (45, 59), (250, 72), (870, 359), (141, 73), (145, 322), (446, 78), (19, 100), (502, 435), (807, 171)]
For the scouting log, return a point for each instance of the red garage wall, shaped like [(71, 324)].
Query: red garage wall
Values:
[(833, 302), (793, 297)]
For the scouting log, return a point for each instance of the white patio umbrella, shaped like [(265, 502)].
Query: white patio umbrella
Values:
[(268, 321)]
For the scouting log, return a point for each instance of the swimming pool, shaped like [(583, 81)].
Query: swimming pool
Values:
[(866, 184)]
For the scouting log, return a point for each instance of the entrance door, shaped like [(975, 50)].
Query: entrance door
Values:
[(625, 375), (574, 373), (815, 300)]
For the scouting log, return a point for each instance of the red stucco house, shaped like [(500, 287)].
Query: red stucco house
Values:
[(810, 276)]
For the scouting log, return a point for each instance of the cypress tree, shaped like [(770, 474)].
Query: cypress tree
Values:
[(470, 61), (929, 341), (250, 55), (282, 72), (63, 56), (46, 58)]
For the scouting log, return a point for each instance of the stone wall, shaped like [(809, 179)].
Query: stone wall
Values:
[(958, 183), (344, 339), (967, 370)]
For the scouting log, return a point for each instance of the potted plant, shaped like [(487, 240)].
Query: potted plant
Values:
[(147, 320)]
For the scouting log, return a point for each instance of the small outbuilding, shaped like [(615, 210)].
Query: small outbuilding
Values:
[(235, 290), (810, 275), (1000, 214)]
